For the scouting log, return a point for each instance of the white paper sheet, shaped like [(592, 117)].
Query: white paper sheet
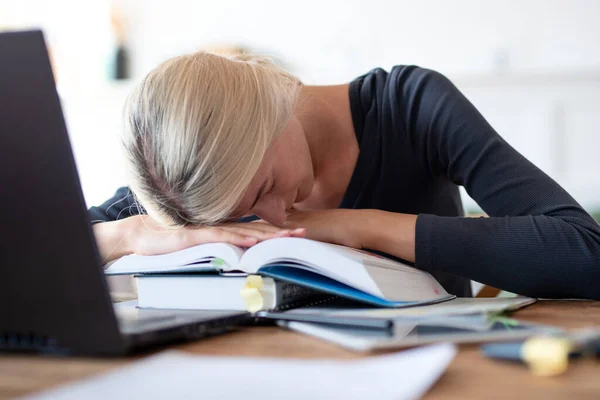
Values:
[(178, 375)]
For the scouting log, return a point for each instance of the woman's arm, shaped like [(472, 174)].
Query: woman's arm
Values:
[(141, 235), (113, 239), (112, 227), (391, 233), (537, 241)]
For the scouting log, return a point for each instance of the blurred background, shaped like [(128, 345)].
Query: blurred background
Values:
[(532, 67)]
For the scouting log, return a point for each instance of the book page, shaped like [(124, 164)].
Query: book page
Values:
[(205, 257), (370, 273), (410, 285), (332, 261)]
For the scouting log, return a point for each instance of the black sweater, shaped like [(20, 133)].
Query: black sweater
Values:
[(419, 139)]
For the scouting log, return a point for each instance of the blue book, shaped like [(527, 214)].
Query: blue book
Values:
[(328, 268)]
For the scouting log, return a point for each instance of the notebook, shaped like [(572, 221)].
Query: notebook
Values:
[(326, 267), (337, 312), (456, 329)]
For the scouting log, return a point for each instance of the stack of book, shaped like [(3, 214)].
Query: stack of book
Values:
[(276, 274)]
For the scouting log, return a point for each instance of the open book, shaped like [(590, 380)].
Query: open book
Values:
[(329, 268)]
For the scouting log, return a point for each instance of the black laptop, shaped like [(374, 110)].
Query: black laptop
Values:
[(53, 294)]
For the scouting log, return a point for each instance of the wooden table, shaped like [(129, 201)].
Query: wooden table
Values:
[(469, 376)]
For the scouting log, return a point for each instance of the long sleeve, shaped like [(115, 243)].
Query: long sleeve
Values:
[(121, 205), (537, 241)]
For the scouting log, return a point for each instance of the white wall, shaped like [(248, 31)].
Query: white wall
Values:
[(329, 41), (531, 66), (552, 118)]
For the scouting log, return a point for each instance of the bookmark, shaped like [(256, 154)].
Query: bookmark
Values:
[(251, 293)]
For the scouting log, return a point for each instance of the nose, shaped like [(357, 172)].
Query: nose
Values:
[(272, 210)]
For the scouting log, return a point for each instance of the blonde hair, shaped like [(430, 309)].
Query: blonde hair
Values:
[(196, 131)]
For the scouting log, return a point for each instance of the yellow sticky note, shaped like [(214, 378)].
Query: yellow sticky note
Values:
[(251, 293), (546, 356), (254, 281)]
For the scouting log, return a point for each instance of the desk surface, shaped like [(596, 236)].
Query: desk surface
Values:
[(469, 376)]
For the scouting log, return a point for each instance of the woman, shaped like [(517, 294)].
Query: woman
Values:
[(374, 164)]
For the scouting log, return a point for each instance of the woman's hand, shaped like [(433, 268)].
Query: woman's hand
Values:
[(339, 226), (142, 235), (391, 233)]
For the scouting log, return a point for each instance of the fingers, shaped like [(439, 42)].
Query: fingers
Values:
[(259, 224), (237, 235), (298, 232), (263, 230), (150, 241), (194, 237), (258, 234)]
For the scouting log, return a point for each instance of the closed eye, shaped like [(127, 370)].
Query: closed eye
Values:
[(262, 195), (272, 189)]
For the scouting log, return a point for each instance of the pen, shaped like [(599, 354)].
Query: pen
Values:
[(547, 355)]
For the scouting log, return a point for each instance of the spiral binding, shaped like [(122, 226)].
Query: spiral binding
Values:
[(305, 303)]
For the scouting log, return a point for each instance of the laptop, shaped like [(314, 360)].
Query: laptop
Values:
[(53, 294)]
